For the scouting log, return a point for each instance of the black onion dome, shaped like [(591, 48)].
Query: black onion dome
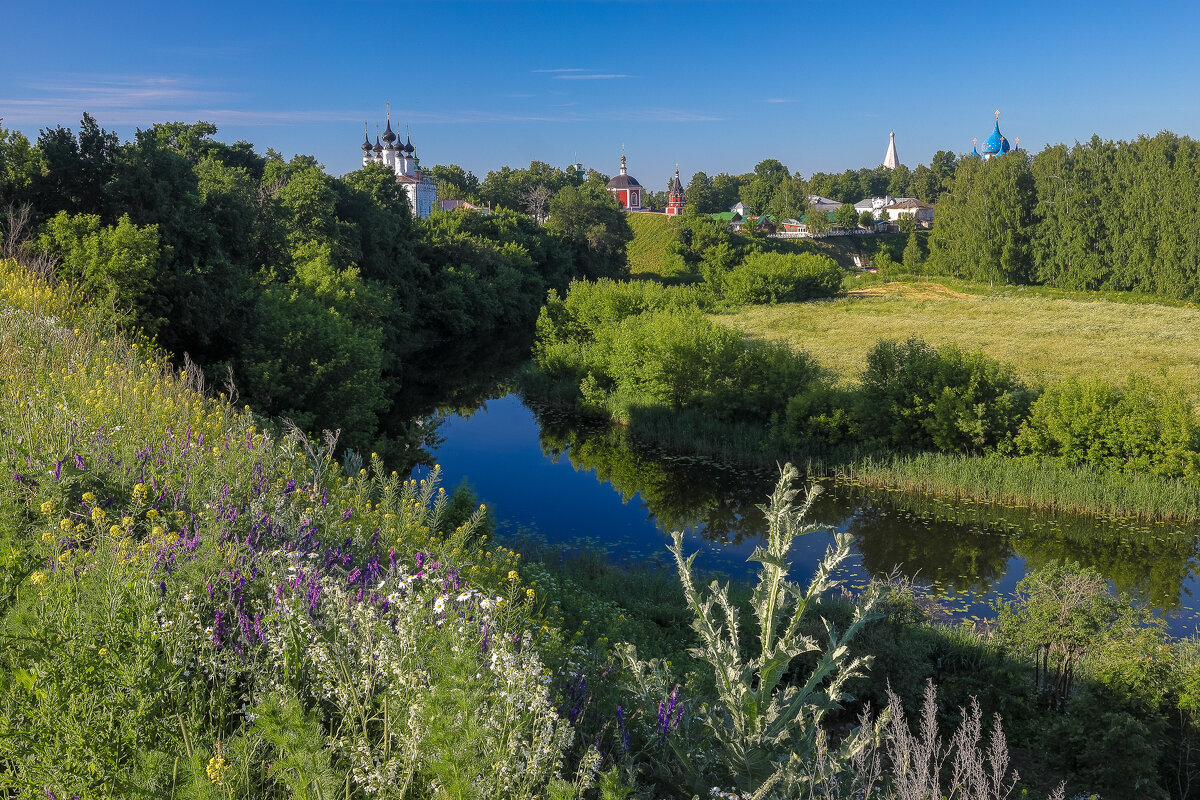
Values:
[(408, 145), (366, 145), (378, 148), (623, 182), (388, 136)]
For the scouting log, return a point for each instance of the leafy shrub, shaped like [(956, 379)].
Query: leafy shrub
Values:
[(819, 418), (681, 359), (114, 263), (640, 344), (1141, 427), (781, 278), (944, 398)]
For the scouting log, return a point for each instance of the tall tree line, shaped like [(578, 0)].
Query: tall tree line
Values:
[(1096, 215)]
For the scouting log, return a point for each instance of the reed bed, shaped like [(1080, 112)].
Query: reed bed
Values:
[(1023, 482)]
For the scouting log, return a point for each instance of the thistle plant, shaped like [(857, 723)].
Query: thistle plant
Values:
[(766, 715)]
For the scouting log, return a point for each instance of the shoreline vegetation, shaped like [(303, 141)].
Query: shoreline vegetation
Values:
[(1092, 412)]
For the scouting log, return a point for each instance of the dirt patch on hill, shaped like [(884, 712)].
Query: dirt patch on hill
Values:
[(914, 291)]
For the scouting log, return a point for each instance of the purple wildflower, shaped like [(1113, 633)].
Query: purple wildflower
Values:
[(670, 714), (79, 463), (58, 471), (420, 559), (291, 487), (624, 731), (348, 513)]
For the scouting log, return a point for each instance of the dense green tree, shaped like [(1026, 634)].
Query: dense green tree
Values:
[(817, 222), (454, 182), (985, 225), (900, 181), (699, 197), (725, 189), (592, 221), (510, 188), (846, 216), (202, 292), (21, 165), (115, 264), (914, 256), (769, 174), (78, 170), (790, 199)]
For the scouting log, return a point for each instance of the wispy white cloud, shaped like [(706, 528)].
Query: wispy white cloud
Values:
[(562, 69), (607, 76), (780, 100), (142, 100)]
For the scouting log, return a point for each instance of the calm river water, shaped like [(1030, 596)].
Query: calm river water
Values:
[(570, 482)]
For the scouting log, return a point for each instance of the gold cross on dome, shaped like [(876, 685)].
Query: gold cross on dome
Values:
[(997, 115)]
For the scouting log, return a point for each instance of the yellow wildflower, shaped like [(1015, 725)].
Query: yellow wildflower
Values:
[(530, 593), (98, 514), (216, 769), (89, 498), (48, 536), (139, 492), (48, 508), (103, 652), (513, 576), (37, 578)]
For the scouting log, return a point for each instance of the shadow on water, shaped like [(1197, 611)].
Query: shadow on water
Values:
[(628, 495)]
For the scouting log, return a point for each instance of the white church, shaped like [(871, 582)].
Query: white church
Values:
[(421, 191)]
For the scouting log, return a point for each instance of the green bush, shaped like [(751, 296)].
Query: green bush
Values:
[(945, 399), (820, 418), (781, 278), (1142, 427), (681, 359)]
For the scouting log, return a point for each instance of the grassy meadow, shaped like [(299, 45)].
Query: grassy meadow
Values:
[(648, 255), (1046, 336)]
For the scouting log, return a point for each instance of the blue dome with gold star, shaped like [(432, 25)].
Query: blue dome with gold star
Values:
[(996, 144)]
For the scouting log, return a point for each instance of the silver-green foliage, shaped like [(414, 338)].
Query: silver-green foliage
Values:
[(766, 715)]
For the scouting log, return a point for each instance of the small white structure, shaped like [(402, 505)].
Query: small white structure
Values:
[(873, 204), (890, 159), (400, 158), (880, 207), (741, 209), (910, 207)]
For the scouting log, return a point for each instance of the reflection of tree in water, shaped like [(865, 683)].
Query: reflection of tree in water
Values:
[(927, 550), (680, 492), (452, 378), (964, 545)]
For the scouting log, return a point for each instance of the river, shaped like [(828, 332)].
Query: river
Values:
[(574, 483)]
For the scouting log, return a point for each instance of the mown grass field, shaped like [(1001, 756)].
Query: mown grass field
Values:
[(1046, 337)]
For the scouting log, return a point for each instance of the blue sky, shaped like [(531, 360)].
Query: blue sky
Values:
[(714, 86)]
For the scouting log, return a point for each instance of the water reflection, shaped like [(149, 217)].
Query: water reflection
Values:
[(965, 549)]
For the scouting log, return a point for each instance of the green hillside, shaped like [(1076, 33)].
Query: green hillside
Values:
[(647, 254)]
